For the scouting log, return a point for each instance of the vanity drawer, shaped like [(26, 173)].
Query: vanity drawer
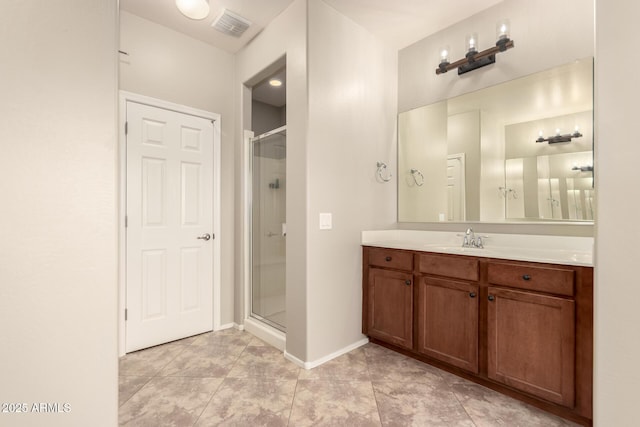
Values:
[(391, 258), (465, 268), (533, 277)]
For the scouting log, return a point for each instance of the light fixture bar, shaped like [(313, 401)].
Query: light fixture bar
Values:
[(472, 62), (559, 138)]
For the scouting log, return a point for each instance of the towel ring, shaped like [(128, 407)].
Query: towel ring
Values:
[(382, 167), (415, 172)]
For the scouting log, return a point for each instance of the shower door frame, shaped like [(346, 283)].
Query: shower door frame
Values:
[(263, 328)]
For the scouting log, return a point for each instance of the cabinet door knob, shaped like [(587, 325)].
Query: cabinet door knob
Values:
[(388, 259), (472, 294), (526, 277), (491, 297), (407, 282)]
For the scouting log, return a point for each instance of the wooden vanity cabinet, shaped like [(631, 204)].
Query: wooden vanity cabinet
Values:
[(447, 321), (389, 297), (531, 329), (521, 328)]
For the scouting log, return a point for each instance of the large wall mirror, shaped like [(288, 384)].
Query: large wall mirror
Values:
[(479, 156)]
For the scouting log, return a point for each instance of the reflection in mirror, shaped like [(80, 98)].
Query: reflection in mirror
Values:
[(479, 159)]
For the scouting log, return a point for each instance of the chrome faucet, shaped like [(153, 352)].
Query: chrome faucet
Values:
[(470, 240)]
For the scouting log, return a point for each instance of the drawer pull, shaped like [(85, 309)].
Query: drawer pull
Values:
[(388, 259), (491, 297), (407, 282), (472, 294), (526, 277)]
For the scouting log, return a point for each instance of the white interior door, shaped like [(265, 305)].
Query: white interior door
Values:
[(169, 205), (456, 187)]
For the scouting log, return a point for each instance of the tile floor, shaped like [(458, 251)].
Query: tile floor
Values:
[(232, 378)]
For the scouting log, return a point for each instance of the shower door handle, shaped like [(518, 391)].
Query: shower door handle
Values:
[(205, 237)]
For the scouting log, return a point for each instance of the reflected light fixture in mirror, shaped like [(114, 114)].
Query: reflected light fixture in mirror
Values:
[(193, 9), (275, 82), (558, 137), (474, 59)]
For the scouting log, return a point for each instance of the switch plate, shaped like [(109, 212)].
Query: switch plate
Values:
[(325, 221)]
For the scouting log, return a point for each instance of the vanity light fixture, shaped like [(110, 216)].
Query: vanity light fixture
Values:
[(558, 137), (193, 9), (474, 59)]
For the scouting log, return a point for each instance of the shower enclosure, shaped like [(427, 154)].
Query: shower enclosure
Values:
[(268, 227)]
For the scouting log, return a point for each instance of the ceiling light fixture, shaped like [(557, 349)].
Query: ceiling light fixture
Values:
[(193, 9), (559, 137), (474, 59), (275, 82)]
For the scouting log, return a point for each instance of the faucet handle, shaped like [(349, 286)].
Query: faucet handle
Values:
[(480, 241)]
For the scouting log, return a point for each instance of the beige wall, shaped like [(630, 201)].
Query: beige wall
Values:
[(58, 221), (168, 65), (617, 317), (546, 33), (352, 116)]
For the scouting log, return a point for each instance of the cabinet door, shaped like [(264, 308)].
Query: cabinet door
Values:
[(448, 321), (390, 310), (532, 343)]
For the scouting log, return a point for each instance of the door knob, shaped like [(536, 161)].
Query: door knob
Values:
[(205, 236)]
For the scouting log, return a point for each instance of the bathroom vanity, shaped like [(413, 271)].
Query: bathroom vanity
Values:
[(516, 316)]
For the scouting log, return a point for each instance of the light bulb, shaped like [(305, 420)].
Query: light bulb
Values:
[(275, 82), (472, 42), (502, 29), (444, 54)]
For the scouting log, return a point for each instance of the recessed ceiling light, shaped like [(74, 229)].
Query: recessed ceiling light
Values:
[(275, 82), (194, 9)]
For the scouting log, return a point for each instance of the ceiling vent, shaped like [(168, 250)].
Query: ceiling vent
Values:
[(230, 23)]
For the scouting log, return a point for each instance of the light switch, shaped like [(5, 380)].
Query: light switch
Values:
[(325, 221)]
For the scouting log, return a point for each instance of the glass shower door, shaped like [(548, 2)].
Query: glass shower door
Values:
[(268, 227)]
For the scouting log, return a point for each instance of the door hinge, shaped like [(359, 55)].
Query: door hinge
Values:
[(126, 314), (126, 128), (126, 221)]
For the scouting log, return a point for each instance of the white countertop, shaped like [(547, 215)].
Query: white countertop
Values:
[(566, 250)]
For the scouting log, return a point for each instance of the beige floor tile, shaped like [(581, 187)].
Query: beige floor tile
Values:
[(417, 404), (128, 386), (263, 362), (205, 361), (227, 337), (250, 402), (150, 361), (334, 403), (350, 366), (168, 401), (387, 365), (488, 408)]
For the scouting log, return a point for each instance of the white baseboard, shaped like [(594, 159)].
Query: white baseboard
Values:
[(325, 359), (226, 326), (266, 333), (238, 326)]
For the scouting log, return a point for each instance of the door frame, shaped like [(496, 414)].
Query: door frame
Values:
[(125, 97), (265, 332)]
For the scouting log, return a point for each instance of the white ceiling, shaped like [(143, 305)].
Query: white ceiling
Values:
[(397, 22), (165, 12)]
